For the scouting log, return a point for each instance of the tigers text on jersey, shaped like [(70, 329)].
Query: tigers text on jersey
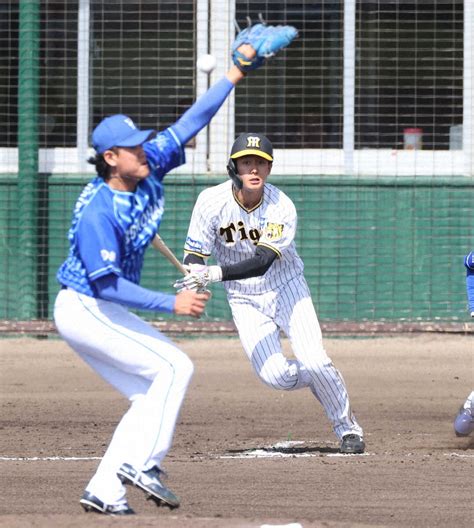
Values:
[(221, 226), (111, 229)]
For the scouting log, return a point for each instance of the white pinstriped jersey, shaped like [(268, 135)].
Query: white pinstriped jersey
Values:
[(221, 226)]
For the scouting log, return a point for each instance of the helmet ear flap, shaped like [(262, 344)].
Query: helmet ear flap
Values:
[(233, 174)]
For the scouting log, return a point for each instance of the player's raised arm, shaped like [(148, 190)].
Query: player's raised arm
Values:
[(251, 48)]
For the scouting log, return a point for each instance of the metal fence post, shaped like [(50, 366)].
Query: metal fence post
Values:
[(28, 104)]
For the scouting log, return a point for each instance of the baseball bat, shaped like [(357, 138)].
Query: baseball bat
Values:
[(159, 244)]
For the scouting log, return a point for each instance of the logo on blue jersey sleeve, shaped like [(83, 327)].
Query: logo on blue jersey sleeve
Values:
[(108, 256)]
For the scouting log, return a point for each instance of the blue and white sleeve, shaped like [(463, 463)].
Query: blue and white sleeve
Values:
[(99, 243), (164, 153)]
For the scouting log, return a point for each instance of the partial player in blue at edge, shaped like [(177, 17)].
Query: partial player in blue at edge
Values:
[(464, 421)]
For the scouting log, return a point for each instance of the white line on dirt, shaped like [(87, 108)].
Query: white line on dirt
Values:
[(291, 525), (47, 459), (263, 453), (255, 453)]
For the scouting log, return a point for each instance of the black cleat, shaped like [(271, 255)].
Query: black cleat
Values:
[(91, 503), (151, 483), (352, 444)]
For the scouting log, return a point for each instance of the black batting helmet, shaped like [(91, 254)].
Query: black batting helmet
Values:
[(248, 144)]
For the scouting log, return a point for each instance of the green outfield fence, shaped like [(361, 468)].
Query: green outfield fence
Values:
[(372, 252), (371, 113)]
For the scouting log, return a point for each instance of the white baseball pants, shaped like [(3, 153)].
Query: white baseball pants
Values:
[(141, 363), (259, 319)]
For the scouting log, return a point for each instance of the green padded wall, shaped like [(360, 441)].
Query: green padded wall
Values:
[(386, 250), (373, 249)]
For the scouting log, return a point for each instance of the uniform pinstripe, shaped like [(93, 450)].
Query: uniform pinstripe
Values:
[(277, 301)]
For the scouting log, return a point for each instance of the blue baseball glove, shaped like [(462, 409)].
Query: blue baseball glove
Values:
[(265, 39)]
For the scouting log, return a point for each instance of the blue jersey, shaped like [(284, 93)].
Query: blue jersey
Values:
[(111, 229)]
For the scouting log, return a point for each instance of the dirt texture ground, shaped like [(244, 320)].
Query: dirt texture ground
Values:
[(245, 455)]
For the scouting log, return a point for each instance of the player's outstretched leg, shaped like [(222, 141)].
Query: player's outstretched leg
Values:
[(464, 421), (151, 482), (326, 382)]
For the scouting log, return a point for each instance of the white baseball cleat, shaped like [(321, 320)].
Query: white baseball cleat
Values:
[(464, 422)]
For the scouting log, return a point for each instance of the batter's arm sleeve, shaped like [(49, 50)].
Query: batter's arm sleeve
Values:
[(252, 267), (192, 258)]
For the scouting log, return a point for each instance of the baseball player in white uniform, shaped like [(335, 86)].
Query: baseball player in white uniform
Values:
[(115, 218), (464, 421), (248, 226)]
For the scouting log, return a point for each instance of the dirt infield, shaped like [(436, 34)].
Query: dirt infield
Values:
[(245, 455)]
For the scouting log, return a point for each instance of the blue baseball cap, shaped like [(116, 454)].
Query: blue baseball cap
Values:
[(117, 131)]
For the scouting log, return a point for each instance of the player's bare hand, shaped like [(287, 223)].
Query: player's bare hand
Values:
[(247, 51), (189, 302)]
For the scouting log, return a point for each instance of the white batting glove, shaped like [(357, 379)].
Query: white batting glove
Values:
[(199, 277)]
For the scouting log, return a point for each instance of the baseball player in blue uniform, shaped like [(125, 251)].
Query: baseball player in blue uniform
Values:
[(115, 218), (248, 225), (464, 421)]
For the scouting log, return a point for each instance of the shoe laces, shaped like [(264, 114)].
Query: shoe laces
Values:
[(155, 473), (352, 436)]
